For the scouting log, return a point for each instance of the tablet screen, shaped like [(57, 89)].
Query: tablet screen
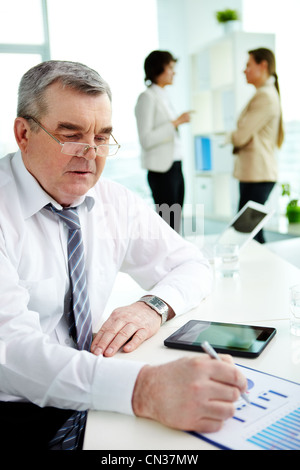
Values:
[(244, 340)]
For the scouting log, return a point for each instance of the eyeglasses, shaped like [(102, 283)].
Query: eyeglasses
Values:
[(79, 149)]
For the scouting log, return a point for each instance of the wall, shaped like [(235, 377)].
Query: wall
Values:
[(202, 25)]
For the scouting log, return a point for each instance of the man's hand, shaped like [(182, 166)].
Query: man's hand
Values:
[(127, 326), (195, 394)]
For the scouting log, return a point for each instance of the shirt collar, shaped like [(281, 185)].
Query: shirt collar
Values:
[(158, 89), (32, 196), (270, 81)]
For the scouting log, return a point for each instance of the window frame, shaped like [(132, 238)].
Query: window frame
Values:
[(42, 49)]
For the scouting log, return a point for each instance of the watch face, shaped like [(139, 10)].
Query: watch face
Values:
[(160, 306)]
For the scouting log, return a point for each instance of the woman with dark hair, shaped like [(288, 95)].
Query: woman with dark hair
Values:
[(157, 126), (259, 131)]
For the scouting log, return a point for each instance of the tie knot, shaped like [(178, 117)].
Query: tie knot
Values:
[(69, 216)]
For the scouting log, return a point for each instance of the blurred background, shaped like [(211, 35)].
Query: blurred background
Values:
[(115, 37)]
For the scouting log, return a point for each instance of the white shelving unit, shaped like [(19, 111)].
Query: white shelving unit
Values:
[(219, 93)]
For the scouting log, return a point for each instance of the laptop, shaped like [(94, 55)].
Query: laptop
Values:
[(242, 228)]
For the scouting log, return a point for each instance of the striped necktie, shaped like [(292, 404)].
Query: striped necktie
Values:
[(78, 318), (79, 313)]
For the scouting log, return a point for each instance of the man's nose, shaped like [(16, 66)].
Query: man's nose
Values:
[(90, 152)]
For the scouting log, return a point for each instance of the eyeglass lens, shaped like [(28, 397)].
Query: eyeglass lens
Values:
[(79, 150)]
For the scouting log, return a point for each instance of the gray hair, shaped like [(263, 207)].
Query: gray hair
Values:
[(34, 83)]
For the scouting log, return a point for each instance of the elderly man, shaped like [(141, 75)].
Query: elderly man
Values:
[(53, 204)]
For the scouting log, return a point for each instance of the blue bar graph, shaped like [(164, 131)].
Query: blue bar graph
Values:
[(278, 394), (258, 406), (284, 434)]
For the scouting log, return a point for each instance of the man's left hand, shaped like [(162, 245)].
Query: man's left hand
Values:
[(126, 327)]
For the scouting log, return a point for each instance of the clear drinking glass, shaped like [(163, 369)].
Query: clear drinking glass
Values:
[(226, 260)]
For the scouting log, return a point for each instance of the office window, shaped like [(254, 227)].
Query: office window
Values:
[(23, 44), (21, 22), (112, 37)]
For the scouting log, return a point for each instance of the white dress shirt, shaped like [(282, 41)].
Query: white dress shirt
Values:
[(120, 233)]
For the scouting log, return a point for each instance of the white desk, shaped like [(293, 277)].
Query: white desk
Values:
[(259, 296)]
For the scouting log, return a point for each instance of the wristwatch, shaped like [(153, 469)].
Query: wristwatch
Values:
[(158, 305)]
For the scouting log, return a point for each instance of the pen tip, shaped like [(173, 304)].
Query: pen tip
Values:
[(246, 398)]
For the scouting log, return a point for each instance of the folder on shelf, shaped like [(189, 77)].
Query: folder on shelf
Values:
[(203, 160)]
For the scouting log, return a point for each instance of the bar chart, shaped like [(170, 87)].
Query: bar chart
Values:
[(284, 434), (270, 422)]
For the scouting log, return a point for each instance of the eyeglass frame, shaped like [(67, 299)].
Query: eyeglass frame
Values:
[(88, 146)]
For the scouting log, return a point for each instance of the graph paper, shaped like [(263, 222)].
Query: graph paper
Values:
[(270, 422)]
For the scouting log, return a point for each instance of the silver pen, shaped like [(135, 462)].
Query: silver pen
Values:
[(213, 354)]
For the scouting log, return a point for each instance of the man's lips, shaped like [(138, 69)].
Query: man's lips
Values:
[(80, 172)]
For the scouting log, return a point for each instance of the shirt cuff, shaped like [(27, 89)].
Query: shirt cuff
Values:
[(114, 384)]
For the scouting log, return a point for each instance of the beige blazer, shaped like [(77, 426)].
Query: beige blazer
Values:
[(156, 132), (255, 138)]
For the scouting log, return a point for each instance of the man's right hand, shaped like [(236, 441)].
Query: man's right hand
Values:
[(190, 394)]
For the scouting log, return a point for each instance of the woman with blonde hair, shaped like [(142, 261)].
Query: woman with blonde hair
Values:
[(259, 131)]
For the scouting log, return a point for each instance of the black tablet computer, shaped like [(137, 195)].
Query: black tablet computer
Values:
[(237, 340)]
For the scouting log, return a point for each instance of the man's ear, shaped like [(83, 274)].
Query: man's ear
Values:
[(22, 132)]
